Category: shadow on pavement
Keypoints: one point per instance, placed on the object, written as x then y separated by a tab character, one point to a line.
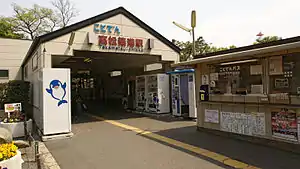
165	117
114	111
253	154
189	152
83	119
111	111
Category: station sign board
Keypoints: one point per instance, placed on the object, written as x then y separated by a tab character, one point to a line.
109	38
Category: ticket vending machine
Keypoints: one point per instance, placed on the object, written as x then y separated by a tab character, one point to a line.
157	93
140	93
183	93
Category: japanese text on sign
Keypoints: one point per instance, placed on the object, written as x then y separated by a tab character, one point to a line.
120	43
109	29
230	69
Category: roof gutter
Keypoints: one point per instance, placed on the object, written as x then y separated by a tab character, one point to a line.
239	54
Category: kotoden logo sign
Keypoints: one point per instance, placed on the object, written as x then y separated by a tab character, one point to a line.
106	29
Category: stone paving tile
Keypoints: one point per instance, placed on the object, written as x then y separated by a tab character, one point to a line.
28	155
46	159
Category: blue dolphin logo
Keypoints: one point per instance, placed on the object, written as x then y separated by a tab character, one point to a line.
58	91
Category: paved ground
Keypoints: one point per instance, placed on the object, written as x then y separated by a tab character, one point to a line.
102	145
28	156
98	144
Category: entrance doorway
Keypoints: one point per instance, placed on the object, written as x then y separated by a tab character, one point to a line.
94	81
131	94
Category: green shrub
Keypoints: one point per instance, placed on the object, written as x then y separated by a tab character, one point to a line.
16	91
3	87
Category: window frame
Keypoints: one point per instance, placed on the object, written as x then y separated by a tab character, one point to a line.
7	74
220	68
285	59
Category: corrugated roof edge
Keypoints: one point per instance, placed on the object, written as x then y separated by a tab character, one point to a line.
89	21
250	47
241	53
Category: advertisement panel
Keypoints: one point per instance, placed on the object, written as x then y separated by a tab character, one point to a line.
284	124
243	123
211	116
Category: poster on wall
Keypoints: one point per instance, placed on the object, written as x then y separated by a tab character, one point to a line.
281	83
205	80
275	67
243	123
258	124
214	76
255	69
211	116
284	124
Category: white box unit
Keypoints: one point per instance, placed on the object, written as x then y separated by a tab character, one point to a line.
183	93
56	89
157	93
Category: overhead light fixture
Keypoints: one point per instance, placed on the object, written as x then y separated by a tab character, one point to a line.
154	66
237	62
115	73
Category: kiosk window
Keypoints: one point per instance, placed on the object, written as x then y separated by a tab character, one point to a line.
284	74
240	77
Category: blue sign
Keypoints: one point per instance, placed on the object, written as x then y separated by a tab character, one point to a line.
57	90
103	28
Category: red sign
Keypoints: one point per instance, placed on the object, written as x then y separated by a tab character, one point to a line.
139	43
112	41
130	42
103	40
120	43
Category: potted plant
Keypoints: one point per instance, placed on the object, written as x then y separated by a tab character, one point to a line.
14	122
10	156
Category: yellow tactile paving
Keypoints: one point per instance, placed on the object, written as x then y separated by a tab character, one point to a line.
209	154
235	163
215	156
251	167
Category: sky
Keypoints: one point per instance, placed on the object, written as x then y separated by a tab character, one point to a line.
222	23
